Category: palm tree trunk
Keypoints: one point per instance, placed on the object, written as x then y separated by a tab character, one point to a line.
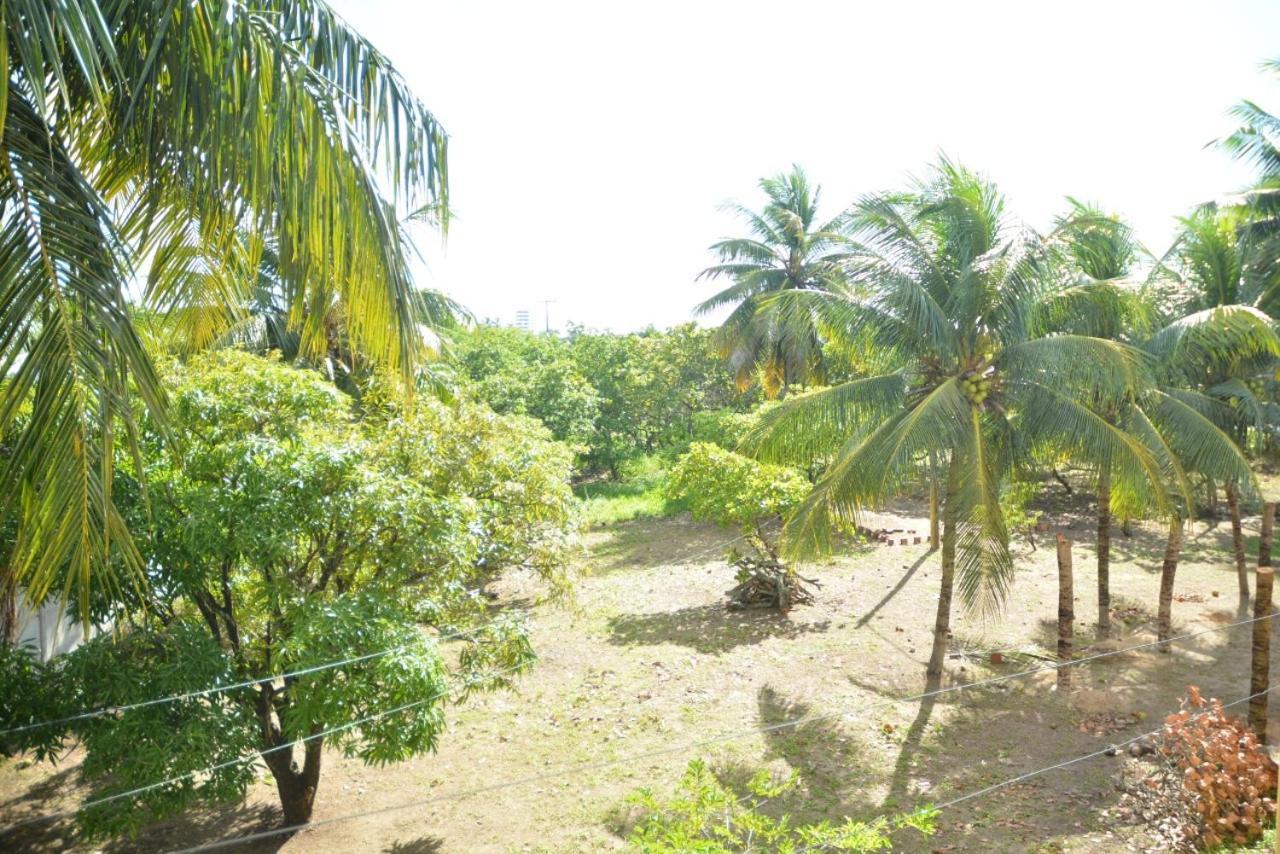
1265	535
1104	551
1237	541
942	624
1172	553
933	516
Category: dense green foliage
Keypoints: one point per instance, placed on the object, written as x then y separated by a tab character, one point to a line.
136	131
527	374
706	816
286	533
616	398
734	491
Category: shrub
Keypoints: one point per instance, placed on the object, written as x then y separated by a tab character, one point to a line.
705	816
738	492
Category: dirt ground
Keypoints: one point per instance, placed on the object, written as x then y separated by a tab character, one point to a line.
647	662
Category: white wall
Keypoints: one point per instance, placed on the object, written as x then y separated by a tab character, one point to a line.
49	629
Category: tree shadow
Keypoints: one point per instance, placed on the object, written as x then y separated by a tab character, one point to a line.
44	790
827	756
964	740
195	825
646	543
897	588
710	629
208	825
421	845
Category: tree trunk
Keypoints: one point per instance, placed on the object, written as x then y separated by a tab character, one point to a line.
1268	530
8	609
1172	553
1066	612
296	786
1260	655
942	625
1237	541
1104	551
933	516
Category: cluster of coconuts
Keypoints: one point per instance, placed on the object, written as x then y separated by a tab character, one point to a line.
1257	385
977	387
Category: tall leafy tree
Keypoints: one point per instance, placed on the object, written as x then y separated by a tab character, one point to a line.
789	248
1220	262
285	533
964	298
1184	417
129	127
1102	252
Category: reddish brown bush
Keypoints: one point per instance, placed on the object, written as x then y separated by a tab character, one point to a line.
1229	781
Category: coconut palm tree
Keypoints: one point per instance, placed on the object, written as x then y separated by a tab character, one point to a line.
789	248
964	298
1186	419
126	127
239	298
1102	250
1219	259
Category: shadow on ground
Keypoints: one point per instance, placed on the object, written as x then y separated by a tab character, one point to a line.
646	543
422	845
710	629
963	740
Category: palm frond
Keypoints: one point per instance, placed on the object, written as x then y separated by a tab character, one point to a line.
984	567
871	468
808	428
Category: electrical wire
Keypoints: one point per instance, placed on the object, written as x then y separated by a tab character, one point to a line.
239	760
1109	750
248	683
670	749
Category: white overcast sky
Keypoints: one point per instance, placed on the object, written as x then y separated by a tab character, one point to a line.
592	143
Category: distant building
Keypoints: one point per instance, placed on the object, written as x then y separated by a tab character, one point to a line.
522	319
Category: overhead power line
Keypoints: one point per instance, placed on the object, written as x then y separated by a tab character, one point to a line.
694	745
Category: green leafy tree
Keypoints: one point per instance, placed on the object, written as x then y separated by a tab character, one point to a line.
283	535
789	248
636	404
126	128
963	299
524	373
734	491
705	815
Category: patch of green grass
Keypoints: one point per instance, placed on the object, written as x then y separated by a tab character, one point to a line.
638	495
1266	843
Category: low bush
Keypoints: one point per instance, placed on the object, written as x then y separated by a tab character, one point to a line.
738	492
704	815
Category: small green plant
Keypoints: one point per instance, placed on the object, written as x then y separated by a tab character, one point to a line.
738	492
704	815
1015	505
